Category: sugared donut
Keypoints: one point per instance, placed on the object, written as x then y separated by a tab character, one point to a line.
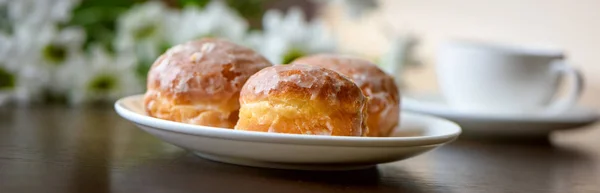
384	99
199	82
302	99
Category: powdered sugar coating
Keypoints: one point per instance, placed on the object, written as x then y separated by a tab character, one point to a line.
381	89
310	81
207	69
362	72
199	82
302	99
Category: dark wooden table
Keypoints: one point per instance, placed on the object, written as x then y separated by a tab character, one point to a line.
55	149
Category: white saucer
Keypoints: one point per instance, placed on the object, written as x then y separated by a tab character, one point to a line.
519	125
291	151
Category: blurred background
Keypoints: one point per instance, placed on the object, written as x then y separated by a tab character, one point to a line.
557	23
87	51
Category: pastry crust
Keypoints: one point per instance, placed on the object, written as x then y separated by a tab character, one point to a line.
302	99
384	97
199	82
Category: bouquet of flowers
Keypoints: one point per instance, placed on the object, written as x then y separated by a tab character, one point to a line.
80	52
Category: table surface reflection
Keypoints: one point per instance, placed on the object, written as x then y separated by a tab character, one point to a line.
58	149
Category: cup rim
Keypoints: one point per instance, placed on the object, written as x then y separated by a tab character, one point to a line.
507	48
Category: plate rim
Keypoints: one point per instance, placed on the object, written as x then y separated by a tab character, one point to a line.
295	139
416	105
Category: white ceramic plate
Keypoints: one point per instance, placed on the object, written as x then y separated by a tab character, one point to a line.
500	125
418	134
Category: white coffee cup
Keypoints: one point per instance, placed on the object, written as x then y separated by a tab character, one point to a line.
493	78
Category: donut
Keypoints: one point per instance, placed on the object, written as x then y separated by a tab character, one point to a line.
199	82
384	98
302	99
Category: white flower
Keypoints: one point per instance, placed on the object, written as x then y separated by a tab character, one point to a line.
5	46
40	12
216	20
58	55
19	80
29	85
141	33
7	75
288	37
104	78
37	54
143	29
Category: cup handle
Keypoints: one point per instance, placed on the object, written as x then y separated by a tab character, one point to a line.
575	88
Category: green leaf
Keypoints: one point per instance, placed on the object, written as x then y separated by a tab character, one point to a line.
98	18
198	3
251	10
292	55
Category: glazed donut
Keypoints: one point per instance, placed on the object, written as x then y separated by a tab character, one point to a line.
302	99
199	82
384	97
